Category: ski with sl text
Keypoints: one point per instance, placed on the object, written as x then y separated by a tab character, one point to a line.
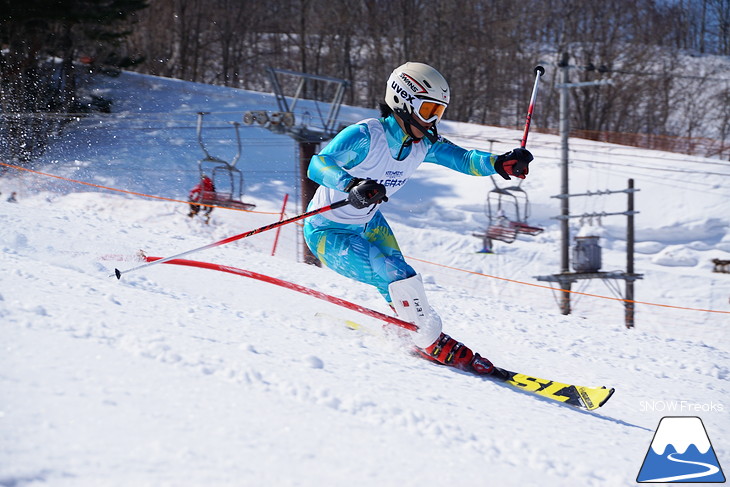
589	398
582	397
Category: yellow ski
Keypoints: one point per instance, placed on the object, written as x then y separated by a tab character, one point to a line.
579	396
589	398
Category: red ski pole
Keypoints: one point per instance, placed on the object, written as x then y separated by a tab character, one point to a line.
337	204
295	287
539	71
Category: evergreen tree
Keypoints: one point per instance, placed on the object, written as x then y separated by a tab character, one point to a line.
42	41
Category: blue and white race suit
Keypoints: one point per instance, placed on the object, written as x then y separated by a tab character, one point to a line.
358	243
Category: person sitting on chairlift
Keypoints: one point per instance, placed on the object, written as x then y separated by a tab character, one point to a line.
196	196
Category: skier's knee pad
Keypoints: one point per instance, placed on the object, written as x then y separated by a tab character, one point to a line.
409	301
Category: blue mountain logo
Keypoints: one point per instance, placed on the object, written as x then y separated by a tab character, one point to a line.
681	452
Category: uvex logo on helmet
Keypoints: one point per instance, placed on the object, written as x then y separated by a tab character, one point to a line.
402	92
413	84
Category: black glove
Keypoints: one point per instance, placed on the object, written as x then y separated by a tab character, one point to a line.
513	163
365	192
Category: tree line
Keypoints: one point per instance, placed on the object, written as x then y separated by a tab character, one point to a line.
654	51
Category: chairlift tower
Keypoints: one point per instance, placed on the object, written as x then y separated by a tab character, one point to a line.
308	129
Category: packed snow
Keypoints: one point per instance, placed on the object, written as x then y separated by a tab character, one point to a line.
188	377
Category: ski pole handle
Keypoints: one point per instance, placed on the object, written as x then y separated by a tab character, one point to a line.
337	204
539	71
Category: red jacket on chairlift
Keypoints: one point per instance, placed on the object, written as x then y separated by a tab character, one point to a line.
205	184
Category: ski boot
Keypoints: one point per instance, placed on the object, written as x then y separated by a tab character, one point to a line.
410	304
447	351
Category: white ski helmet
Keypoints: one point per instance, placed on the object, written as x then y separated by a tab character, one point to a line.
417	89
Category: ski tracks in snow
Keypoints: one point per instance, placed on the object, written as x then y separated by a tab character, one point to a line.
262	352
353	375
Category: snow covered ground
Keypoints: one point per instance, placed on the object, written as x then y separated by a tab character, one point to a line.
188	377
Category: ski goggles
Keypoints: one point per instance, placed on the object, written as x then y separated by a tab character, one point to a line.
427	110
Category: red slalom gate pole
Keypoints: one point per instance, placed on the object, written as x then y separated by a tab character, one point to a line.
289	285
278	230
539	71
337	204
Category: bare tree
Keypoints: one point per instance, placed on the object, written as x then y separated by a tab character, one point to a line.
485	48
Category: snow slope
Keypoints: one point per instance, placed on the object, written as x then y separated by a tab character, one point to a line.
180	376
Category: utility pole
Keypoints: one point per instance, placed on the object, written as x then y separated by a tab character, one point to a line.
565	86
566	278
629	303
564	184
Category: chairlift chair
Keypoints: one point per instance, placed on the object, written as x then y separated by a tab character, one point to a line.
521	202
501	203
222	173
507	211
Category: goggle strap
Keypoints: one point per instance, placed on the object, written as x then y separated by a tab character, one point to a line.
432	134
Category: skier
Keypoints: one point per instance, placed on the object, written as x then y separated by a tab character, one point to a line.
370	161
197	195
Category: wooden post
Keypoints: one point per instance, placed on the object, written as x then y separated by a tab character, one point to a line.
565	298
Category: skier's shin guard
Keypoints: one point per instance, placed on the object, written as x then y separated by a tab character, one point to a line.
409	301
